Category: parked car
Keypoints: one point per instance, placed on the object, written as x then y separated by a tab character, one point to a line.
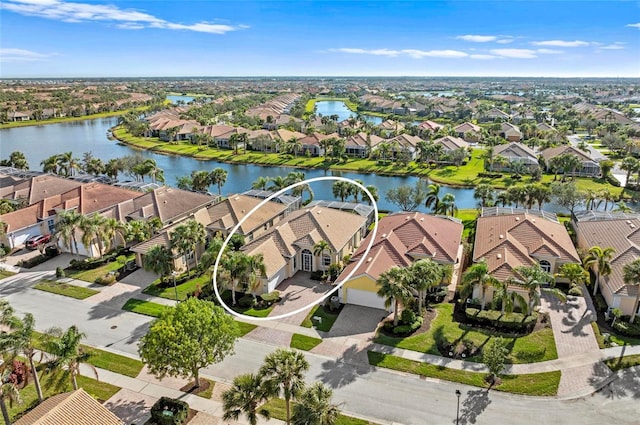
34	241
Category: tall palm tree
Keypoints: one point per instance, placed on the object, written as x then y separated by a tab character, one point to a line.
477	274
68	164
314	407
599	259
24	341
320	247
392	286
8	391
246	395
508	299
91	227
283	370
218	177
67	352
277	183
50	164
182	242
341	189
374	193
447	205
236	265
257	270
533	278
112	229
260	183
158	260
423	275
483	192
65	228
574	273
632	277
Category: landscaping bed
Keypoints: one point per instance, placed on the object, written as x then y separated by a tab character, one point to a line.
277	410
104	270
66	289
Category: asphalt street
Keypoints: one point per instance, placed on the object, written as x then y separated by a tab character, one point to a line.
378	394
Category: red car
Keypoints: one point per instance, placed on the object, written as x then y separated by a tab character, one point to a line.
34	241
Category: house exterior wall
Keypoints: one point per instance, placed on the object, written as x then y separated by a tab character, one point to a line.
362	283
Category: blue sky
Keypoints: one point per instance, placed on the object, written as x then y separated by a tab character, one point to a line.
63	38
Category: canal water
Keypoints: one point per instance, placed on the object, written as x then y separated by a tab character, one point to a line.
334	107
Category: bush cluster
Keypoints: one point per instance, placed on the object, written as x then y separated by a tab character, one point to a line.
494	318
409	322
626	328
107	279
178	408
490	175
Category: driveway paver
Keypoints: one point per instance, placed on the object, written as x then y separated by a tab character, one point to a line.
357	322
270	336
131	406
296	292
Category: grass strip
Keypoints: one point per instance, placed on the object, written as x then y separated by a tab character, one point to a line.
327	319
538	384
245	328
623	362
66	289
183	289
5	273
277	410
92	274
303	342
147	308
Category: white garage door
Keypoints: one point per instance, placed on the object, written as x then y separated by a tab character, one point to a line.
364	298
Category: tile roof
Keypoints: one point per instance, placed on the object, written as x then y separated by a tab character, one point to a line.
451	143
72	408
623	235
511	240
403	238
515	149
549	153
360	139
467	127
226	214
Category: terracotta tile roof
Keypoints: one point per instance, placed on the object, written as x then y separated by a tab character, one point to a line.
406	140
515	149
166	203
518	239
430	125
360	139
549	153
37	188
467	127
403	238
73	408
623	235
226	214
451	143
162	239
303	228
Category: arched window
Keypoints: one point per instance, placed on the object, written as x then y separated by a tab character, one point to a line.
545	266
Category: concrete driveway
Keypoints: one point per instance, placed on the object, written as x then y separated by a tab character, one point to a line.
357	322
297	292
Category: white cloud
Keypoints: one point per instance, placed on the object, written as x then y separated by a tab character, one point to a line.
414	53
483	57
549	51
514	53
615	46
22	55
504	41
561	43
477	38
126	18
634	25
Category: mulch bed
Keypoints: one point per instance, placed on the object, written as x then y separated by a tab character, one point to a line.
428	316
192	389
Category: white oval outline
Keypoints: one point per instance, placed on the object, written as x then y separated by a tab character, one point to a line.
254	209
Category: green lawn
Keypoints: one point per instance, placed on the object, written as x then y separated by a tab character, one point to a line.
538	384
93	274
535	347
245	328
207	394
66	289
144	307
98	390
183	289
5	273
623	363
468	217
253	312
277	409
328	319
303	342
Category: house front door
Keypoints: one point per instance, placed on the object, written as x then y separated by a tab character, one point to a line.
307	259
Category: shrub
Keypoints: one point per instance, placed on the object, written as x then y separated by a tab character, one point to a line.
247	301
612	180
408	316
626	328
575	291
490	175
178	408
601	304
511	321
107	279
271	297
409	328
59	272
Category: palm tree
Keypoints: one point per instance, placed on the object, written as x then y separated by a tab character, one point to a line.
158	260
246	395
257	270
182	242
320	247
91	227
68	164
392	286
218	177
630	165
373	190
260	183
599	259
314	407
236	265
8	391
483	192
50	165
477	274
111	229
508	298
283	370
447	205
24	341
65	228
67	352
277	183
632	278
422	275
341	189
432	198
574	273
533	279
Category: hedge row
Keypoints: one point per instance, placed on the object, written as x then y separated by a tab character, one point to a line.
499	320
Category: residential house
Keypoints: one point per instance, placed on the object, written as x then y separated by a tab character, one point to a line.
72	408
19	115
401	239
403	144
588	166
221	134
544	127
469	132
429	127
515	152
288	247
263	141
510	132
622	233
507	238
360	145
494	114
30	190
390	127
311	144
451	143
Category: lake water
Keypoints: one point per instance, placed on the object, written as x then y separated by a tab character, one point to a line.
333	107
174	99
43	141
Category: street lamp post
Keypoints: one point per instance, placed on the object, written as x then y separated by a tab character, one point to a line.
175	288
458	393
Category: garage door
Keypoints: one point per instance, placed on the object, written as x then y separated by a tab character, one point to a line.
364	298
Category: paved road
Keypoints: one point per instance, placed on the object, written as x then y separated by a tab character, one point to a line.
377	393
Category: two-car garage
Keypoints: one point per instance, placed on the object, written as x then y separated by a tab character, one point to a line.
361	297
